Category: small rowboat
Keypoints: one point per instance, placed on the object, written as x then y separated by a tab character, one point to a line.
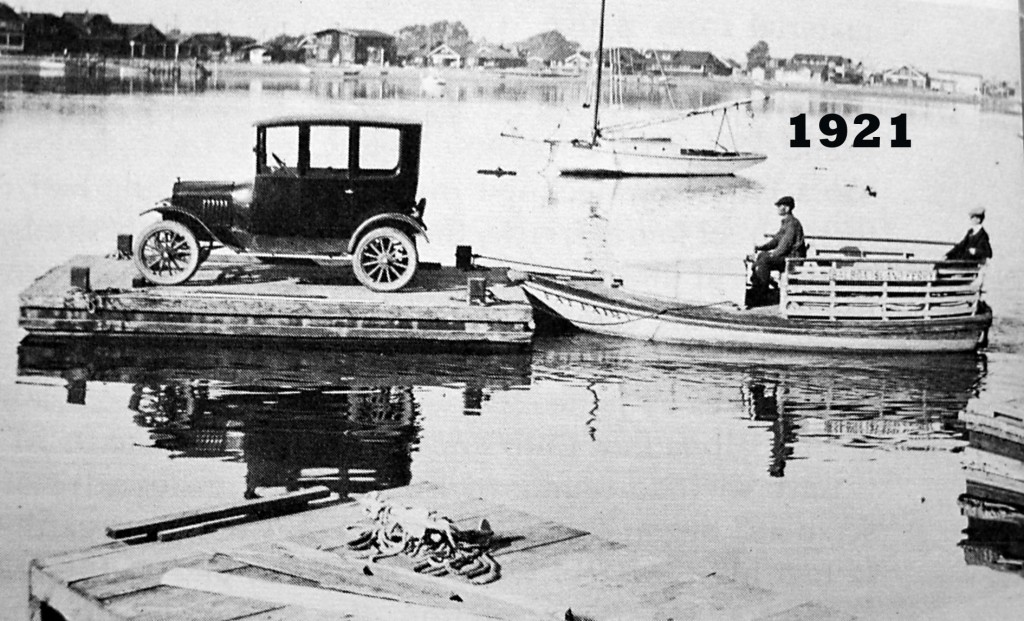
833	300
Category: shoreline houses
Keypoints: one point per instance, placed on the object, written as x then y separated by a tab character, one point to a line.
448	44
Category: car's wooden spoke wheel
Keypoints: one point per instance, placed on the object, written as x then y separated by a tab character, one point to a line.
385	259
167	253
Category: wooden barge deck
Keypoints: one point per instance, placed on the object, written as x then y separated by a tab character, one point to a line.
298	567
234	297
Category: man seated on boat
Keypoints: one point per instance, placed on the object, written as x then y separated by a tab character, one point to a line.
975	245
772	255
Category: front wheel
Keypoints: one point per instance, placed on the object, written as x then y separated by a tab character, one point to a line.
167	253
385	259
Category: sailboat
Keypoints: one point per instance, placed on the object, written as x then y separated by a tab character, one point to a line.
604	154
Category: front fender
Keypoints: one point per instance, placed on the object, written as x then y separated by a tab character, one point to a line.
170	212
383	219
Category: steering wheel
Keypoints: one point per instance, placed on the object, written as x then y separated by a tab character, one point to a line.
281	166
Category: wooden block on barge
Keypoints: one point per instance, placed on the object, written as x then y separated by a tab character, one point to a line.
264	506
256	301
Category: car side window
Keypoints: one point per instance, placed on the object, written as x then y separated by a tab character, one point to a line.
378	150
282	149
328	149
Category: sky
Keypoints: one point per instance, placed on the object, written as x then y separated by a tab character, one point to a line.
964	35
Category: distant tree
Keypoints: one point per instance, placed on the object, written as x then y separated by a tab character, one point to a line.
420	35
758	56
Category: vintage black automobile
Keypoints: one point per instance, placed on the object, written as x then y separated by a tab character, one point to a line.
339	187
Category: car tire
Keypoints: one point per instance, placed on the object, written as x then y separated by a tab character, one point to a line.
167	253
385	259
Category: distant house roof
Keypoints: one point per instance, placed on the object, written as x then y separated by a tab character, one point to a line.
555	51
375	34
906	70
286	42
8	14
962	74
693	58
136	31
819	59
451	50
218	41
87	21
493	52
356	32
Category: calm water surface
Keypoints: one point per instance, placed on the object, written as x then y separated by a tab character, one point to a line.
829	478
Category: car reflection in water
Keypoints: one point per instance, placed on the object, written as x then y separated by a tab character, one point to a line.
297	416
994	498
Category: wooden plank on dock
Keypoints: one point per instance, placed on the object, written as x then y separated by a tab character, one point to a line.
168	603
263	506
277	570
147	576
247	590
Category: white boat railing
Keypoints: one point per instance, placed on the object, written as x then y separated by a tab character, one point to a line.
879	285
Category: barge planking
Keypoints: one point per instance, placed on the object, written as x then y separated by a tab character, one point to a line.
268	569
99	296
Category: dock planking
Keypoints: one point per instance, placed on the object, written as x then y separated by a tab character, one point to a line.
267	569
233	298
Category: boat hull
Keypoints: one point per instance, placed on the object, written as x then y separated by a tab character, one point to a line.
613	313
639	158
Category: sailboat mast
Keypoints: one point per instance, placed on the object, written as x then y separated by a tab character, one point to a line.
600	64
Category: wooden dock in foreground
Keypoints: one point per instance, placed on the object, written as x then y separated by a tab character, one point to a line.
237	297
298	567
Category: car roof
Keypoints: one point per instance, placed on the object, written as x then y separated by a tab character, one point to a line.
360	118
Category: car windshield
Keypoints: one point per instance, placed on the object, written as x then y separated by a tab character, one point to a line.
282	142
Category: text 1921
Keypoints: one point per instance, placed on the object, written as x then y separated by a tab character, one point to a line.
835	130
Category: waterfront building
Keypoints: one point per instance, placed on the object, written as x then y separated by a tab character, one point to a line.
12	30
47	34
491	56
685	62
354	47
95	33
958	82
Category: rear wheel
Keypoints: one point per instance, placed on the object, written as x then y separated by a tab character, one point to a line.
385	259
167	253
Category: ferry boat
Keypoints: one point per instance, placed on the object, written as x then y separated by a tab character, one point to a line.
836	299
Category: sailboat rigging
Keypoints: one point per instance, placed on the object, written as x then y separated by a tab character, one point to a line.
616	156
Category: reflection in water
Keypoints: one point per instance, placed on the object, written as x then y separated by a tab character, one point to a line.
864	402
994	498
766	405
351	438
296	415
397	84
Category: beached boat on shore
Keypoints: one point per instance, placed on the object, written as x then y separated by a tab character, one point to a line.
844	299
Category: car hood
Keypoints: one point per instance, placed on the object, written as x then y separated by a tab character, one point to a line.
239	191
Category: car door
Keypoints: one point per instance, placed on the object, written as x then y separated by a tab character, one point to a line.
376	184
277	189
327	192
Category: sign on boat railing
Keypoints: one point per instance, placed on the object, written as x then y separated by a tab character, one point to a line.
832	286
